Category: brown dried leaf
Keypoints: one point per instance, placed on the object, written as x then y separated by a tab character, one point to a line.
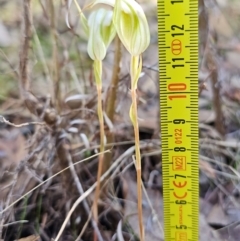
206	116
217	216
207	169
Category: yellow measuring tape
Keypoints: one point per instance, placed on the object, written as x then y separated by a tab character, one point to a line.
178	67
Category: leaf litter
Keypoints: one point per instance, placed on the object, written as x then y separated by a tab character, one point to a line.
31	153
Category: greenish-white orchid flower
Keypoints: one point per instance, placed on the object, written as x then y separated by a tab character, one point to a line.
131	24
101	33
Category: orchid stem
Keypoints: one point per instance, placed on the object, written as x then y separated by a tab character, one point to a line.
135	71
98	79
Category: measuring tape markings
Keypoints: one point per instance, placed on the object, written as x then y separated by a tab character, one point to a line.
178	65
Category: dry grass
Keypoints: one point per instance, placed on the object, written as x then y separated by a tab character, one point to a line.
49	130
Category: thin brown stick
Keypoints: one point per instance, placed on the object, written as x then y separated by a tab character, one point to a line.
56	75
111	98
23	55
2	119
203	30
217	103
112	94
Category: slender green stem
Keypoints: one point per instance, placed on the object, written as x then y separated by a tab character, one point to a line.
98	79
135	71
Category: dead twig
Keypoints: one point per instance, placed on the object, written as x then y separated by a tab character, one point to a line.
23	56
212	65
55	54
2	119
111	98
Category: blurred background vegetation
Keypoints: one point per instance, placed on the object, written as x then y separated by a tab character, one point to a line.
53	123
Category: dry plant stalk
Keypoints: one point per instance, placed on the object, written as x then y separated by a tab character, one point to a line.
217	103
207	48
23	55
112	97
55	61
203	29
216	88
